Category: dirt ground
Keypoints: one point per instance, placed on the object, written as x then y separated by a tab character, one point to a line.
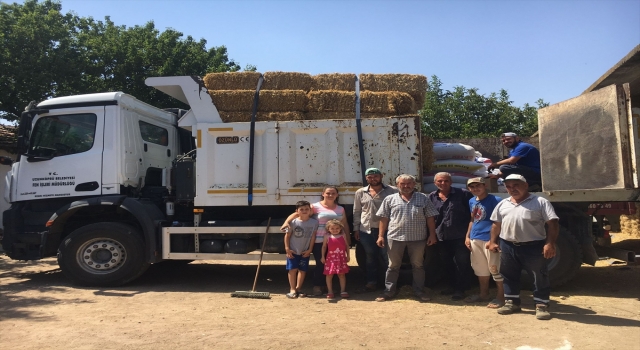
191	308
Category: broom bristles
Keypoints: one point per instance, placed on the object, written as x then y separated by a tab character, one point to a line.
254	295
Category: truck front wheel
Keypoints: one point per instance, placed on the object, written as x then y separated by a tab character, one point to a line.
102	254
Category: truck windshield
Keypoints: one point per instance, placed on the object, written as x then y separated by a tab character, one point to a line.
61	135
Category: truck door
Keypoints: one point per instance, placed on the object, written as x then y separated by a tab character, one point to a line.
64	158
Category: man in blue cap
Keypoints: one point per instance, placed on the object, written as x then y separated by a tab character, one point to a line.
524	159
365	225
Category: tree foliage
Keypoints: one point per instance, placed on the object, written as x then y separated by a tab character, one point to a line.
464	113
45	53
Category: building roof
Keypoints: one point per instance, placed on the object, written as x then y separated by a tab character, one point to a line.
625	71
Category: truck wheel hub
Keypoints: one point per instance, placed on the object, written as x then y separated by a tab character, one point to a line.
101	255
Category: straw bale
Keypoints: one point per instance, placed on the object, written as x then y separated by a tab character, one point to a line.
413	84
270	100
235	117
344	115
630	224
231	81
334	81
426	143
332	101
391	102
287	81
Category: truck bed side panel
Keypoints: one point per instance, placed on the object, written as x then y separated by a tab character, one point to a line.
585	142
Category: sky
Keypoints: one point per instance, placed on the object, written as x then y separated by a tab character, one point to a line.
552	50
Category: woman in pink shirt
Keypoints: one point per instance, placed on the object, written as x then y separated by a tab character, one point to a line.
324	210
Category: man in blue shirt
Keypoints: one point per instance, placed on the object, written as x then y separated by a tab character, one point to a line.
484	262
524	159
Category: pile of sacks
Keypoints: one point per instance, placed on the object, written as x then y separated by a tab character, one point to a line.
462	161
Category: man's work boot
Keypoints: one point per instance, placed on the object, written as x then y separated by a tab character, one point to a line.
542	312
509	308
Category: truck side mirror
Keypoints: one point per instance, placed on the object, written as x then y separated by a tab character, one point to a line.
24	130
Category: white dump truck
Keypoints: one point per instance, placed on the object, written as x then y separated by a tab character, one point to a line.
112	185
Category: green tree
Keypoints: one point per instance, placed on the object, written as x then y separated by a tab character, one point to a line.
45	53
465	113
36	53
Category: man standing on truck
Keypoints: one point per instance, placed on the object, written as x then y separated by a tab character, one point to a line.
452	223
519	223
365	224
524	159
409	218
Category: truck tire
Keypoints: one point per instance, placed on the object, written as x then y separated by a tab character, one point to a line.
563	267
103	254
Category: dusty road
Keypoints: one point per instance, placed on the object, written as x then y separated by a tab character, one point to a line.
190	308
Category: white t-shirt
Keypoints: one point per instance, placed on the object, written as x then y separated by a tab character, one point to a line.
523	222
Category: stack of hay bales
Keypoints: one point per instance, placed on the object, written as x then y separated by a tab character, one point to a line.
300	96
630	224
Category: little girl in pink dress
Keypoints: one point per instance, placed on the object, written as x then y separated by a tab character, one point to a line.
335	256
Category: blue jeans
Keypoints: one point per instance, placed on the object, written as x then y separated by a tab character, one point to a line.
374	254
529	257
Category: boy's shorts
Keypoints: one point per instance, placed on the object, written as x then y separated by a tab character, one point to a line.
482	259
298	262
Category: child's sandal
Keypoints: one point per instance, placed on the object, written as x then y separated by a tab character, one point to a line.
330	296
344	295
292	295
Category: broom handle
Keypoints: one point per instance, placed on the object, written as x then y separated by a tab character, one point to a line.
264	241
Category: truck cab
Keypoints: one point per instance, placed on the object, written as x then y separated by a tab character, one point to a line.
78	147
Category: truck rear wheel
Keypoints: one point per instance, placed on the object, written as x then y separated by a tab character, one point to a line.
102	254
568	259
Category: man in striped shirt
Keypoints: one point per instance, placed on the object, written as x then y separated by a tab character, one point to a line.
408	219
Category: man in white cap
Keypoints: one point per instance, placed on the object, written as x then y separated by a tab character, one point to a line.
366	203
524	159
519	223
484	262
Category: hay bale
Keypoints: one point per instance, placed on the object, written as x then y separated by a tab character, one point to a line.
332	101
630	224
239	117
334	81
413	84
270	100
389	102
287	81
231	81
426	144
344	115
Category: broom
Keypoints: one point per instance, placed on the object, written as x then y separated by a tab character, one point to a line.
253	294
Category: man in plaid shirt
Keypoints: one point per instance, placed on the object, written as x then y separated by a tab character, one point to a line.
408	218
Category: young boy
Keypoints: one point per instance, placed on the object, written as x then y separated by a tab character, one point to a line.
298	244
484	262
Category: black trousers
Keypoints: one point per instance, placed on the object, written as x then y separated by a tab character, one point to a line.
456	259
